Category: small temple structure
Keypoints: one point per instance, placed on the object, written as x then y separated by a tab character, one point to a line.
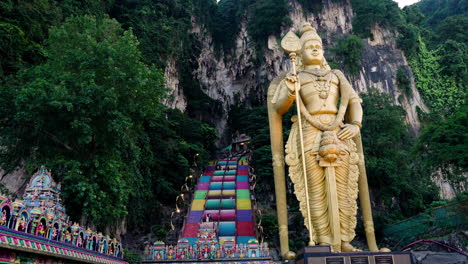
39	222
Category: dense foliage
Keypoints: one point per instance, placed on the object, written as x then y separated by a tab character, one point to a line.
349	50
267	17
434	40
89	108
24	26
437	11
442	93
369	13
403	82
441	147
82	111
389	162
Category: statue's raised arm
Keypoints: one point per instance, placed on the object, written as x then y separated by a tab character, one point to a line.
323	151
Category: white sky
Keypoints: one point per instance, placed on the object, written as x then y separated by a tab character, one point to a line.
402	3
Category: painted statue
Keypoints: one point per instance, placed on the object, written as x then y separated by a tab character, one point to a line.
3	220
323	151
54	233
68	237
22	224
40	230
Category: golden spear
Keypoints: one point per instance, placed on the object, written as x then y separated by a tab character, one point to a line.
292	45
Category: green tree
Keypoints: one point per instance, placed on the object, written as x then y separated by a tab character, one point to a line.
453	58
15	49
441	148
161	26
81	113
403	82
349	52
24	27
266	18
440	92
408	39
438	10
413	15
387	145
369	13
453	28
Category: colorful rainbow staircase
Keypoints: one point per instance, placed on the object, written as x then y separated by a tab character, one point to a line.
220	224
222	196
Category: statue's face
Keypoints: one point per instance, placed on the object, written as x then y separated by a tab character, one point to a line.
312	53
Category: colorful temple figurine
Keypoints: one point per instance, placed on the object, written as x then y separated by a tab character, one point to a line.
266	250
40	230
22	225
170	253
158	256
147	253
79	242
68	237
3	219
183	249
191	252
111	251
90	236
206	251
54	234
159	250
241	251
253	248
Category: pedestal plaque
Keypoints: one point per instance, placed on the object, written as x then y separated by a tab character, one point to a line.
359	259
334	260
323	255
383	259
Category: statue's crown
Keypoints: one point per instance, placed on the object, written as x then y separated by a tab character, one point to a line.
309	33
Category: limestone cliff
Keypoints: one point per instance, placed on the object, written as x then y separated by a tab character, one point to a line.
176	98
233	78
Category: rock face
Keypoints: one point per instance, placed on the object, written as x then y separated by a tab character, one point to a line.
176	97
380	62
13	183
233	78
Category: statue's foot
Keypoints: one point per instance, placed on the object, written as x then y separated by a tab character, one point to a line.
289	255
347	247
384	250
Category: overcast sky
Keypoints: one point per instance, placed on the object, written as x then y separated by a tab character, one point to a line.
402	3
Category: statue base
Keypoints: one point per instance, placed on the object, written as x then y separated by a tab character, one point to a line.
323	255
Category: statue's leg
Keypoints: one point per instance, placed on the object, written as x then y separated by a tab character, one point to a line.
347	186
318	199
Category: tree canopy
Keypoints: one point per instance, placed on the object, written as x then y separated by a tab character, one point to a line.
89	112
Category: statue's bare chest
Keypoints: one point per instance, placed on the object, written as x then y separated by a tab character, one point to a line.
319	92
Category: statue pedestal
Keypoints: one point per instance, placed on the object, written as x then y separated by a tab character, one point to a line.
323	255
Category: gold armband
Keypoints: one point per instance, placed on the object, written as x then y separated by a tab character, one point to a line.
357	123
356	99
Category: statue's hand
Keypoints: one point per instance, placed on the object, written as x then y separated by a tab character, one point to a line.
290	82
348	131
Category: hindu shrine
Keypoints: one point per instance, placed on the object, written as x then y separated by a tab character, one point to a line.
38	223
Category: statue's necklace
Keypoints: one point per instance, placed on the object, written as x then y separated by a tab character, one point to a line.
323	86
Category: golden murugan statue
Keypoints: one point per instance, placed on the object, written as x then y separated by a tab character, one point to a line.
324	149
